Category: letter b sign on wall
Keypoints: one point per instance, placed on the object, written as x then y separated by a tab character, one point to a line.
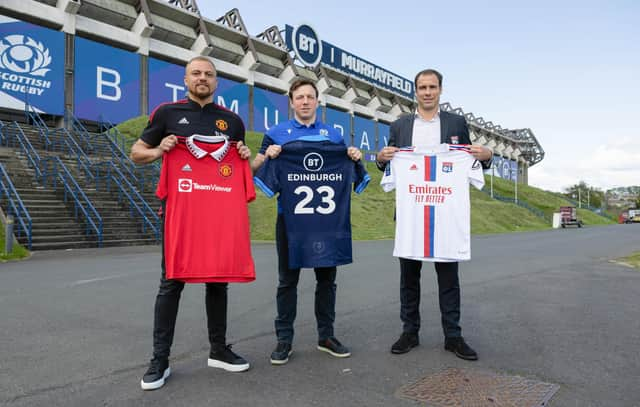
107	82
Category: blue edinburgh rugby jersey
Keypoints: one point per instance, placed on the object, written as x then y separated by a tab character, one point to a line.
313	179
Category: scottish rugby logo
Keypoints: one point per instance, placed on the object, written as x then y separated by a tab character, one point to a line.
24	55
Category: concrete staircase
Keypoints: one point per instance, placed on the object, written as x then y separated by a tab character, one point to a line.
54	225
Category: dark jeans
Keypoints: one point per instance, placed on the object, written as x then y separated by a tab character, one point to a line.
448	295
166	312
287	294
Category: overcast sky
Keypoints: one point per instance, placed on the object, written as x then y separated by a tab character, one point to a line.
568	70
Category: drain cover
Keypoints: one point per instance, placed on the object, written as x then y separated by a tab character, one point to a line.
478	388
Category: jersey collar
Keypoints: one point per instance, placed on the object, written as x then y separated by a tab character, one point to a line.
194	104
299	125
197	152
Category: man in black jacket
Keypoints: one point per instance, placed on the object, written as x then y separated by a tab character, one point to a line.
429	127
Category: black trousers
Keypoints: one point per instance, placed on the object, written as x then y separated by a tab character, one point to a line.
448	295
166	312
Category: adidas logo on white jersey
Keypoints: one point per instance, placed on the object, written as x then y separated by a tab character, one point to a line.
183	121
186	167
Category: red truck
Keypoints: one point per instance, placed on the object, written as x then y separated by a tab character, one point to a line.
568	217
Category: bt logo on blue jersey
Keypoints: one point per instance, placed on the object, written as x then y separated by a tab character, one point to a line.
313	162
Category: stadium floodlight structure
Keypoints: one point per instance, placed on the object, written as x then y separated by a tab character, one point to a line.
260	56
291	71
520	145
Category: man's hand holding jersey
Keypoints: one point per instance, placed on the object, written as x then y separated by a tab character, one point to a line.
168	143
273	151
243	151
386	154
143	153
481	153
354	153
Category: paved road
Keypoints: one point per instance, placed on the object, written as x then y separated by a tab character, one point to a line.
76	327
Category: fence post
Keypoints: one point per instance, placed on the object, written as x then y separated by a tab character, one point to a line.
8	235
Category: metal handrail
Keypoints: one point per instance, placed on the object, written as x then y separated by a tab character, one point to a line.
61	138
77	128
73	149
111	131
140	175
3	140
43	129
15	207
27	149
55	169
137	204
520	203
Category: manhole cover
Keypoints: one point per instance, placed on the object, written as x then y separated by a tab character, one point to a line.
477	388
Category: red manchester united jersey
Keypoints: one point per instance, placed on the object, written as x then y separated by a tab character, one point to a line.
206	187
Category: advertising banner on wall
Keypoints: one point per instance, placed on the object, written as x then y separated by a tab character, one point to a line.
235	97
166	84
504	168
31	67
340	121
514	170
383	136
107	82
364	133
269	109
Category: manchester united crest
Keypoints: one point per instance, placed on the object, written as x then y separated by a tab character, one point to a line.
222	124
225	169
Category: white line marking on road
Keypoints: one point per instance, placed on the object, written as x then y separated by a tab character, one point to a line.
94	280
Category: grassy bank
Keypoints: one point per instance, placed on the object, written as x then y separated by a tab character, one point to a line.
18	251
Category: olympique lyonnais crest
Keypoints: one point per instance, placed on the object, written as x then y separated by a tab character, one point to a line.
225	170
455	140
447	166
222	125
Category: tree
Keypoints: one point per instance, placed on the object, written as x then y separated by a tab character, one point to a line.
585	194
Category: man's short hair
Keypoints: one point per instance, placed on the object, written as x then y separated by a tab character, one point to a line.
201	58
301	82
428	72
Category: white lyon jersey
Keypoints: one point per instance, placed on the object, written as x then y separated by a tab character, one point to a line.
433	213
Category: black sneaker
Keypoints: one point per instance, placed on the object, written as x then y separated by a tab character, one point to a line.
460	348
281	354
405	343
333	347
221	356
156	374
